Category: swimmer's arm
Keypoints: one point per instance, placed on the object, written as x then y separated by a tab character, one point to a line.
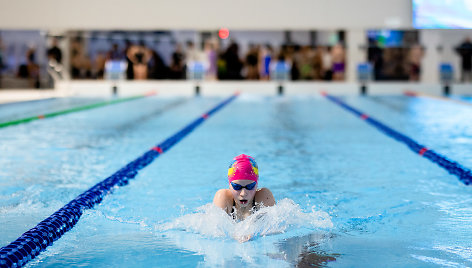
265	197
221	200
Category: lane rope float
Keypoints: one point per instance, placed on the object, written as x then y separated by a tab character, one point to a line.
37	239
464	174
72	110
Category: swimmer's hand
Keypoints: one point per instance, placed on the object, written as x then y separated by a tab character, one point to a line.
243	238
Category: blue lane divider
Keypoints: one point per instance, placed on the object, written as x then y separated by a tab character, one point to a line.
464	174
31	243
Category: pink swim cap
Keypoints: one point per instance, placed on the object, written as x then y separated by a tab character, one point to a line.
243	167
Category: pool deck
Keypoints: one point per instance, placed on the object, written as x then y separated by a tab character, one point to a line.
96	88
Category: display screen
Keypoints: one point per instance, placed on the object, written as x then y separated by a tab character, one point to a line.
442	14
386	38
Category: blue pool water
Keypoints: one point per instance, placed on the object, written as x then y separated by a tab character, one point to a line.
348	195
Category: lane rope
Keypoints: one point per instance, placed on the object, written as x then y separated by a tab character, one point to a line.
72	110
425	95
37	239
464	174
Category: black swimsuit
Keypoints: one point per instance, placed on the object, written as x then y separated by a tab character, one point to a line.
254	207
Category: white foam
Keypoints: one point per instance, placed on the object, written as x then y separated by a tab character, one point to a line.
211	221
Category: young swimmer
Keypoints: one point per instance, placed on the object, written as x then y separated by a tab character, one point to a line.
243	198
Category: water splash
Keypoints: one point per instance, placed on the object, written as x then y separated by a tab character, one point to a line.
211	221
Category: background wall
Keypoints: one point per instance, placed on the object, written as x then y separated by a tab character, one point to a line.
204	14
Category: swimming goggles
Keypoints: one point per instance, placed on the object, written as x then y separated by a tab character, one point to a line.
238	187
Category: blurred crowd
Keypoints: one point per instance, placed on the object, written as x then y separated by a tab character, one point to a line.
211	60
395	63
258	62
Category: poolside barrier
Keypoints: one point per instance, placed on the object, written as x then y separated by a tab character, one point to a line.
37	239
464	174
75	109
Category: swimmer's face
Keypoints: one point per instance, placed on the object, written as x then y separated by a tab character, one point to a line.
244	196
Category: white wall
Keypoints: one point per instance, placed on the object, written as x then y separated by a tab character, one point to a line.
204	14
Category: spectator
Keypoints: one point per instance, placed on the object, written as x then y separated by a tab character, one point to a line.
212	58
293	56
30	69
114	53
465	52
139	56
192	54
81	66
414	62
54	52
129	63
99	65
338	56
195	62
318	63
233	63
252	62
375	57
266	57
280	68
221	64
305	62
177	65
397	60
157	67
327	64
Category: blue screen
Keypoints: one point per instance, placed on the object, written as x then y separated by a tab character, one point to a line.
386	38
442	14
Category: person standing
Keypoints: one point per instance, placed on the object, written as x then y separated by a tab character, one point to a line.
465	52
139	55
234	64
252	62
54	52
212	58
266	57
177	65
414	62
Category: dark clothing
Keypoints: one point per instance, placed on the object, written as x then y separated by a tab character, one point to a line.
115	55
55	53
233	66
129	69
375	57
177	67
254	207
157	67
252	59
294	71
465	51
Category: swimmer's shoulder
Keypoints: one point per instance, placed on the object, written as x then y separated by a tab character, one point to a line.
223	199
264	196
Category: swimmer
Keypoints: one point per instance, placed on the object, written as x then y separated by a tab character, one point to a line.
243	198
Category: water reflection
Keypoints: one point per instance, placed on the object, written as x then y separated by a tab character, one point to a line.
306	251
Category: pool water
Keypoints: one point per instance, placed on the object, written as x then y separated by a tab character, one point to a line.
347	194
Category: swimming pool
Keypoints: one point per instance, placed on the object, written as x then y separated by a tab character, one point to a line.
386	205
